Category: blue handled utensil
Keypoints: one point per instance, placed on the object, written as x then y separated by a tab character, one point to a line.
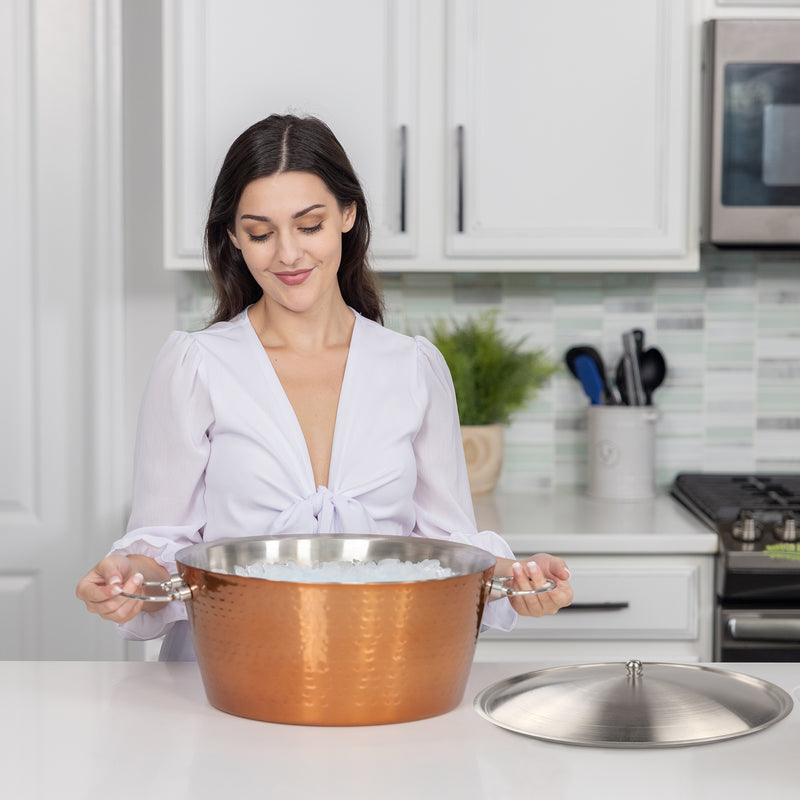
590	379
609	395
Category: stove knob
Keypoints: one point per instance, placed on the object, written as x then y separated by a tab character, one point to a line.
745	528
786	531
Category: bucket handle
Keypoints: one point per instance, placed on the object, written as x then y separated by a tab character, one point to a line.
497	588
174	588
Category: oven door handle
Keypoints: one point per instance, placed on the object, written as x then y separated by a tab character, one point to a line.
780	630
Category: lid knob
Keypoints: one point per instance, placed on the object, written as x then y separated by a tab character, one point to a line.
634	667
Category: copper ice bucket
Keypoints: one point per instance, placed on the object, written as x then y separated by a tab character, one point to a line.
333	653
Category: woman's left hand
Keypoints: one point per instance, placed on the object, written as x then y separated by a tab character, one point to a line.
533	573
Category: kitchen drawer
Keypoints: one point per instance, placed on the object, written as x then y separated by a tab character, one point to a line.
621	598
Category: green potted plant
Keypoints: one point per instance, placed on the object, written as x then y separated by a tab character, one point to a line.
493	378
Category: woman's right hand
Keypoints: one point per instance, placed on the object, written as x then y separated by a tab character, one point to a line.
101	588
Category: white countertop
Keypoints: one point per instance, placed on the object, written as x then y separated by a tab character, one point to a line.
140	730
569	523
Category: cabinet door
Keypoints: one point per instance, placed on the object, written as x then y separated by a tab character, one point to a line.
569	129
229	63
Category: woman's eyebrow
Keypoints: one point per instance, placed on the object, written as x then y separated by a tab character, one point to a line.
294	216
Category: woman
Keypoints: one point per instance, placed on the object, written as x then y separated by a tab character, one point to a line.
295	411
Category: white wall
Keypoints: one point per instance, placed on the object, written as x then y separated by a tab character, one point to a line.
150	290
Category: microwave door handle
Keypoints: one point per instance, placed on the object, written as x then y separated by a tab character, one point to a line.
759	628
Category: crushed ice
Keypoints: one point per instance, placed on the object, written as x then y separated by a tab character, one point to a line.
387	570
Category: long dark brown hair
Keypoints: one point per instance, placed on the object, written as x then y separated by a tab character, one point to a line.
286	144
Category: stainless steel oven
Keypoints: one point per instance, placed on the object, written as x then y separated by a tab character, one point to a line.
752	131
757	616
747	633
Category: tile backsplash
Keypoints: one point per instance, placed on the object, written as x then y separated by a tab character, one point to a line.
730	334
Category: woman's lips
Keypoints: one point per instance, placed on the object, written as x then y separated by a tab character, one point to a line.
293	278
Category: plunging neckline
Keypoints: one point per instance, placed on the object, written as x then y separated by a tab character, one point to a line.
284	398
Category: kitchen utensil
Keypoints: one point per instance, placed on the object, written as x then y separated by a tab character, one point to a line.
653	370
590	379
333	653
638	337
634	704
631	350
624	379
609	397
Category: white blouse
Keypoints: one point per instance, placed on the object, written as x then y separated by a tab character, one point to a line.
220	453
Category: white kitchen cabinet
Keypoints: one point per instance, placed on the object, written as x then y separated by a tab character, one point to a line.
650	607
229	63
571	125
751	9
490	135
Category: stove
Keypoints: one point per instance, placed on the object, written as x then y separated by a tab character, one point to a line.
751	513
758	568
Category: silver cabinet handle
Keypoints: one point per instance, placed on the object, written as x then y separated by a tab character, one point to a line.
761	628
613	606
460	154
403	165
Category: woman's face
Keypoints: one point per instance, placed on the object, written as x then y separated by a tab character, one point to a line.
289	228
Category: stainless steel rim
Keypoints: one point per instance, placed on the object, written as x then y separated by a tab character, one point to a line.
223	555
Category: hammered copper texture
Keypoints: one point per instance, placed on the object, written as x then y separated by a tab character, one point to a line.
334	654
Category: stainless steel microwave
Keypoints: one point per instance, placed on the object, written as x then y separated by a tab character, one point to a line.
752	132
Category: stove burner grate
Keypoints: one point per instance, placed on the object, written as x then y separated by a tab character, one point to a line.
725	497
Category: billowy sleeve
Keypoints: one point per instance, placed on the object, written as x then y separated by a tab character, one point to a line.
442	496
171	453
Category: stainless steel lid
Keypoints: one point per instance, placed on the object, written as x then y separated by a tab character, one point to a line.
633	704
